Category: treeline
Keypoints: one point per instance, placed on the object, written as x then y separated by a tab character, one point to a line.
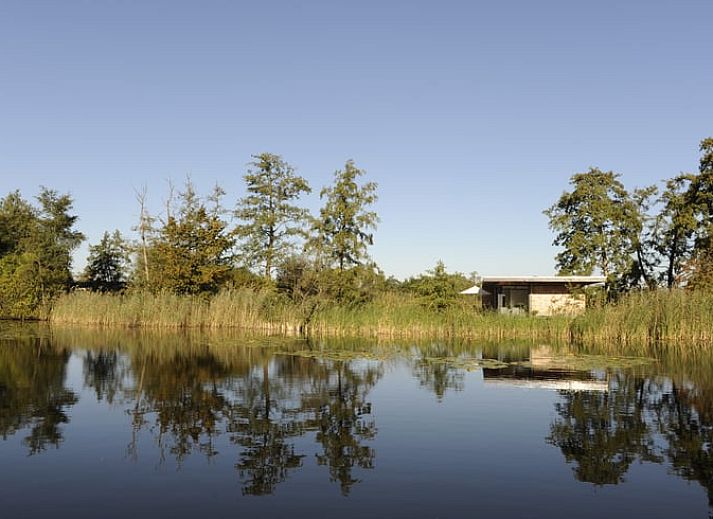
643	238
309	267
192	247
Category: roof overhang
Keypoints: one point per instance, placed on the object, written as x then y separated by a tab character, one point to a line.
472	290
571	280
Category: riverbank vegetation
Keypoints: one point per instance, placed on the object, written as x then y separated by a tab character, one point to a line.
674	319
394	315
268	265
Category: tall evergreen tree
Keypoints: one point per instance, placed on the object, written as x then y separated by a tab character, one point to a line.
271	220
343	229
107	263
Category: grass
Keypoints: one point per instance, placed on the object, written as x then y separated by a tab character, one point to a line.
668	319
400	316
248	309
389	315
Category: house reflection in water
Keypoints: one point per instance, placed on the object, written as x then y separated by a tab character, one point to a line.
543	370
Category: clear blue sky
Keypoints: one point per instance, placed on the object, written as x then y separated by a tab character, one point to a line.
471	116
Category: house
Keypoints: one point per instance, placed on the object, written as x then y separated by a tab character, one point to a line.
538	295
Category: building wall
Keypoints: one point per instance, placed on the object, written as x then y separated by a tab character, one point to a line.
555	303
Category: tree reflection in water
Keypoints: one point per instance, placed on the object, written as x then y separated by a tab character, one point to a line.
180	401
185	396
32	392
438	377
263	427
342	417
105	372
261	401
604	432
685	418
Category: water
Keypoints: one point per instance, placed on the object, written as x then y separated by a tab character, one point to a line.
128	424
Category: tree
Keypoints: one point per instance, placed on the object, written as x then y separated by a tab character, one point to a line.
700	196
598	224
271	219
673	228
699	200
343	227
144	228
437	289
192	250
19	296
107	263
35	251
18	220
55	242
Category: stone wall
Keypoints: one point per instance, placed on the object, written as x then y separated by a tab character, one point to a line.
555	303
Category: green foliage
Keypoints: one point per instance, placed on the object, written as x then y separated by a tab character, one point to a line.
700	196
271	219
20	294
243	277
36	245
668	318
598	224
344	224
603	227
107	264
312	289
674	226
191	252
699	200
18	220
439	290
352	287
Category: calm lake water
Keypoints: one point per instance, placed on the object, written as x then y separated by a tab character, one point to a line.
132	424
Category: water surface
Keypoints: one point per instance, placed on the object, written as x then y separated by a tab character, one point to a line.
127	423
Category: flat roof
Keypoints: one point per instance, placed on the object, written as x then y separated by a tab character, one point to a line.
543	279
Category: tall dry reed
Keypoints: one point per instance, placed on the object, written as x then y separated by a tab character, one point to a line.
676	318
389	315
663	317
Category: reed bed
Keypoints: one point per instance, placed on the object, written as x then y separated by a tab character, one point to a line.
388	316
401	316
668	319
244	308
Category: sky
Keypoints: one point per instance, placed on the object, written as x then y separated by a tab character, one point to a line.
471	116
